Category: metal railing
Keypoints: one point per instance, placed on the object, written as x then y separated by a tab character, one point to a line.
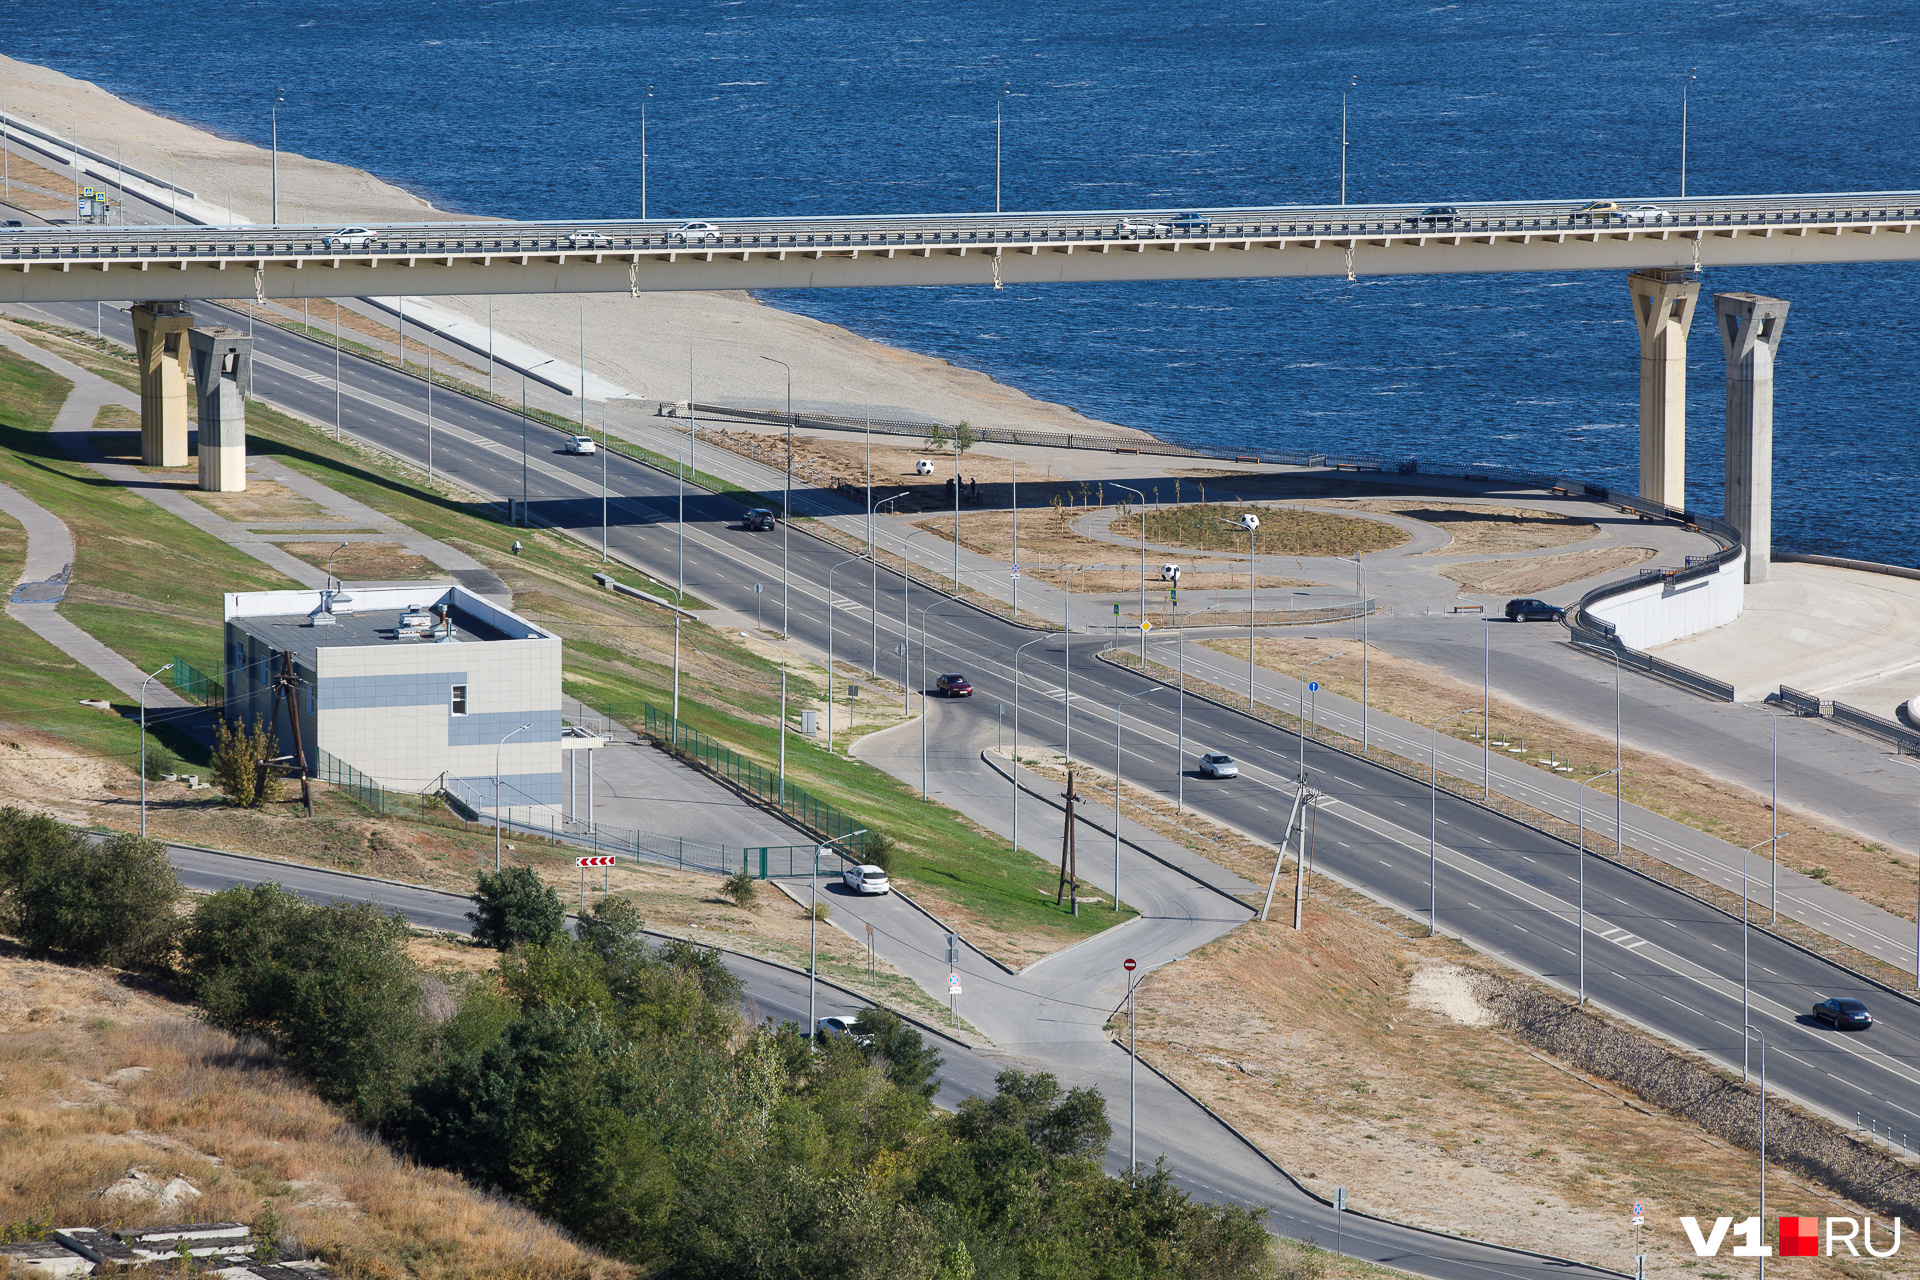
194	683
370	795
1903	740
825	820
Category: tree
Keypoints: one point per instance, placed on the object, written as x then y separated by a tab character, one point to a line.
910	1062
237	753
25	838
964	436
877	849
331	988
615	931
111	905
512	907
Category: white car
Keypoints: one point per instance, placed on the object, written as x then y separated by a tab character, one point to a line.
866	879
351	237
580	444
1645	213
588	239
1136	227
695	233
835	1025
1218	764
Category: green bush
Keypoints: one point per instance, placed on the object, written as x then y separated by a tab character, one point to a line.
112	904
512	907
332	988
877	848
238	750
741	890
821	911
911	1064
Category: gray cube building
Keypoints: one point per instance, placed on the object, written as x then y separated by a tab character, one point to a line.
415	686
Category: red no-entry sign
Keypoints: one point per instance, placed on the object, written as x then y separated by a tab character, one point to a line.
1130	966
605	860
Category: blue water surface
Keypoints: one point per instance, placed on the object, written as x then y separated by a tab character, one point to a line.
526	109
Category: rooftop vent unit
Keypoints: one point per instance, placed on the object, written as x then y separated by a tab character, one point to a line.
415	624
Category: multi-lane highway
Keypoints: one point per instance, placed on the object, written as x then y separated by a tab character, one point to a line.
1652	955
147	262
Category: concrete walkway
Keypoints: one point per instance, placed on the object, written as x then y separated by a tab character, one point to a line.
73	434
49	544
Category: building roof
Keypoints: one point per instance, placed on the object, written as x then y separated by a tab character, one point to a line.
284	619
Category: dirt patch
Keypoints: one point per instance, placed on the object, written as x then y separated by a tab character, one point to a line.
1531	576
1283	531
115	417
1479	527
1359	1057
1420	694
366	561
264	500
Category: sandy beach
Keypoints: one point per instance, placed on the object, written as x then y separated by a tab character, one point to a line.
639	343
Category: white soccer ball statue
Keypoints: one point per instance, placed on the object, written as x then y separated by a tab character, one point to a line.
1249	521
1169	573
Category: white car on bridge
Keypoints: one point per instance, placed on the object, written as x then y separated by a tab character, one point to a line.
1142	227
1645	213
351	238
588	239
695	233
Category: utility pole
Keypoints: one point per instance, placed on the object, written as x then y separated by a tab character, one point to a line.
1069	860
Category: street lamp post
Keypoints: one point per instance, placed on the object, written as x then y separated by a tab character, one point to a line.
143	750
1581	858
1143	568
496	794
1685	85
873	552
1773	806
1433	822
1066	667
786	498
1303	713
1745	937
1119	717
867	428
1360	570
1748	1031
1004	90
1351	81
1486	713
643	152
836	568
1016	735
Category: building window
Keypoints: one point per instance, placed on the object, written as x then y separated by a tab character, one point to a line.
459	699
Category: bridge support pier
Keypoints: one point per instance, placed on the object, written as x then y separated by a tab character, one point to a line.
220	357
1750	326
159	330
1663	303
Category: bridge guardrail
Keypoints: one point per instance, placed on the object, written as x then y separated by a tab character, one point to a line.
1903	740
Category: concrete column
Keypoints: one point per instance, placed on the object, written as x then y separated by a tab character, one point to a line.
1663	302
1750	326
220	357
158	334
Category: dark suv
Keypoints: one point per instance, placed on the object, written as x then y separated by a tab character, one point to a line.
759	520
1532	611
954	686
1437	213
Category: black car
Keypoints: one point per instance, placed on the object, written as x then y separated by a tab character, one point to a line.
954	686
1437	213
1527	610
1843	1014
759	520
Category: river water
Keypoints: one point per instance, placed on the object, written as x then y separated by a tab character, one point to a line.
527	109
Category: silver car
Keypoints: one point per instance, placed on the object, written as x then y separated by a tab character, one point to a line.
1645	213
580	444
351	238
588	240
1218	764
695	233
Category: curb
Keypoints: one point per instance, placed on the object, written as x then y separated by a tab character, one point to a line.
1123	840
1315	1196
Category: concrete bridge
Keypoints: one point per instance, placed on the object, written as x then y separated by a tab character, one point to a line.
1664	245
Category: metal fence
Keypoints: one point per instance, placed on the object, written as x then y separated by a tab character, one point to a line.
827	821
194	683
368	794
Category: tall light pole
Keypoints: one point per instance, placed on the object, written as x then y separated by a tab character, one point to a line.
1685	85
873	553
1745	934
1251	523
1360	572
143	750
786	499
1004	90
843	564
1143	569
1351	82
1581	861
1119	717
1773	890
279	99
1016	734
643	152
1013	467
1433	822
75	117
496	793
680	573
1066	667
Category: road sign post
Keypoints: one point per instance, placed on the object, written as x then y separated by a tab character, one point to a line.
603	860
1133	1093
1339	1208
953	978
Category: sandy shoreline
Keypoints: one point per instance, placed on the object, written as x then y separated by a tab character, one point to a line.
639	343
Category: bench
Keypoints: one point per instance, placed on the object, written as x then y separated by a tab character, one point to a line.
1468	608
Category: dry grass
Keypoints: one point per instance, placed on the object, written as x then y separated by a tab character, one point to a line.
1543	573
1479	527
1283	531
1420	694
109	1078
264	500
366	561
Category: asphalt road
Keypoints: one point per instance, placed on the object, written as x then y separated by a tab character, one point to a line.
1653	956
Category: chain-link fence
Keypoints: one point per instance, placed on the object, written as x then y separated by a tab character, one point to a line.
368	794
824	820
194	683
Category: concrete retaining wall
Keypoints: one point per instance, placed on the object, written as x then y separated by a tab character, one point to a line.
1661	611
1813	1147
